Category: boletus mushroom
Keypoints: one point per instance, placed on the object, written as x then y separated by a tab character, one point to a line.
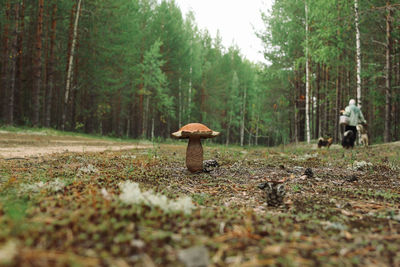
194	151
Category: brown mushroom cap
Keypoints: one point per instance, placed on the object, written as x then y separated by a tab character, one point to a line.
193	130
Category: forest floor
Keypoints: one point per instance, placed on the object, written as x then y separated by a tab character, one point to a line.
81	207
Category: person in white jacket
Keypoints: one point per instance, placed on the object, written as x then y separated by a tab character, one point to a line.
355	117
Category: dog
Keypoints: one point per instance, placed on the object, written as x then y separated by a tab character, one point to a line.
363	134
325	142
347	141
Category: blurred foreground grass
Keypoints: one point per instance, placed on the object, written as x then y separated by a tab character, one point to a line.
67	210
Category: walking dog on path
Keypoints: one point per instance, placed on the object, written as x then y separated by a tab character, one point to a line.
363	134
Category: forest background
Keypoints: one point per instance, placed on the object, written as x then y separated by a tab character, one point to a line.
140	69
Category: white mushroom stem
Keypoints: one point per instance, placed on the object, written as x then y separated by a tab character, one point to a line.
194	155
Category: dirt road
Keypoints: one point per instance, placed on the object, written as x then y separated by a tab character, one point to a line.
25	145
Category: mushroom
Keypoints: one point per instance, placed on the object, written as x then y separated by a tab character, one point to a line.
194	151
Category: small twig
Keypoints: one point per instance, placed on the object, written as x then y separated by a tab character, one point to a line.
15	158
312	187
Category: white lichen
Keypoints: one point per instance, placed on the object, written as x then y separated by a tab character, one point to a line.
361	165
56	185
334	225
131	194
87	169
53	186
105	194
33	188
128	157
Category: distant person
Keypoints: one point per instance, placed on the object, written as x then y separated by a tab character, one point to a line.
355	117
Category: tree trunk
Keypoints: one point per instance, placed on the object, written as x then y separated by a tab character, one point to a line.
45	49
243	117
388	75
190	94
203	98
4	65
38	66
317	112
296	108
128	125
19	98
70	39
256	137
327	106
152	124
71	116
348	93
145	117
307	80
358	53
228	129
13	57
140	110
312	116
51	68
397	83
249	140
70	63
118	129
337	106
180	108
323	103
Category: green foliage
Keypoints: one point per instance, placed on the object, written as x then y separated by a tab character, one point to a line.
154	80
142	69
332	58
139	69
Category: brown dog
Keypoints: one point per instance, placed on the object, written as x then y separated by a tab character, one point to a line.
325	142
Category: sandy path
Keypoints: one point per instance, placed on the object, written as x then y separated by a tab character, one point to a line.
22	152
29	145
